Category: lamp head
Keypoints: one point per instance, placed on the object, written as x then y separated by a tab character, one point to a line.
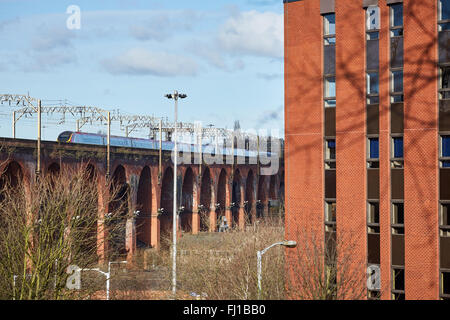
289	243
168	96
182	96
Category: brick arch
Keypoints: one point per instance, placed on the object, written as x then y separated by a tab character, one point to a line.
221	197
12	174
91	171
54	169
166	203
144	206
249	196
261	196
91	176
205	198
187	200
119	200
273	194
236	196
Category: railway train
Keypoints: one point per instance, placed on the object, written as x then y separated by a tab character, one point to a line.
117	141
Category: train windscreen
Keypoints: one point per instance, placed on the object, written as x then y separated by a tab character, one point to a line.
64	136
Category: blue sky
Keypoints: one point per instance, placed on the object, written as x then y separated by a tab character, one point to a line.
227	56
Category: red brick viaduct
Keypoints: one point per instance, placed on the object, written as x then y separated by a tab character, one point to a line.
212	189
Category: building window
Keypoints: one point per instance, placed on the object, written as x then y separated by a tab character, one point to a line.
444	83
372	88
397	98
330	216
330	91
397	81
398	283
373	295
398	218
444	219
331	149
373	35
373	217
329	35
372	22
329	24
373	153
445	151
397	17
444	15
397	152
330	154
445	284
396	63
329	31
373	149
397	147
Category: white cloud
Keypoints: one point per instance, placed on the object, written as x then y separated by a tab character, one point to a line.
140	61
47	61
51	38
161	25
210	54
253	33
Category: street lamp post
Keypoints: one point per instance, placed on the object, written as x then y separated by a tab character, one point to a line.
175	96
259	254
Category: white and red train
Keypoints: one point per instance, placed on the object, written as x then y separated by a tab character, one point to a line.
117	141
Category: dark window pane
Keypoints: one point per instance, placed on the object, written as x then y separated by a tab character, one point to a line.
374	213
445	9
446	146
372	57
373	35
373	144
445	215
444	26
397	81
397	33
397	15
445	78
330	103
373	100
397	52
397	98
399	279
446	282
444	46
329	59
398	213
398	147
372	83
331	212
331	146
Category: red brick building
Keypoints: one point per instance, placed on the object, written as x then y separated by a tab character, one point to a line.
367	109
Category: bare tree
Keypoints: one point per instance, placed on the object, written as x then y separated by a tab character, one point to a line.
46	229
329	269
222	266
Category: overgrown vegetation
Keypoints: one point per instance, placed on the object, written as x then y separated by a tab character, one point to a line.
48	228
55	224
